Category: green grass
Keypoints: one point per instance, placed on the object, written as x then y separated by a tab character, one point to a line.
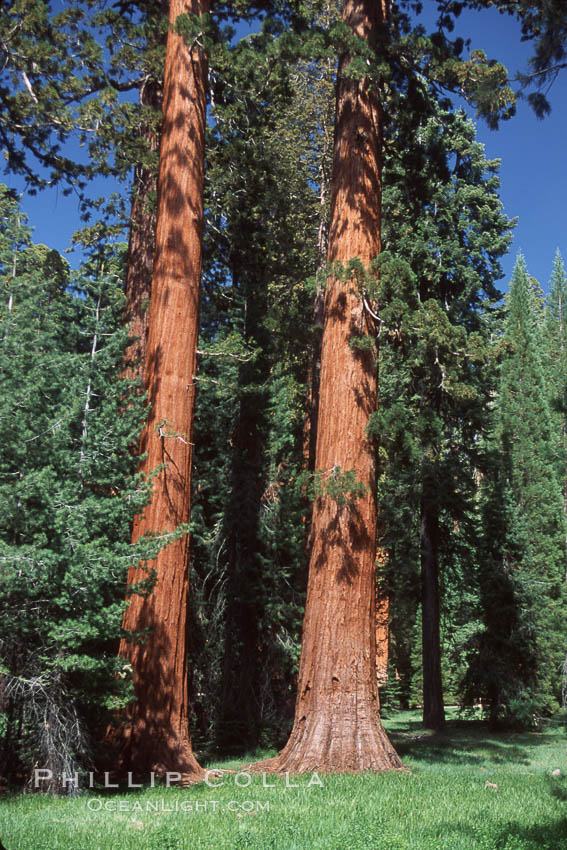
443	804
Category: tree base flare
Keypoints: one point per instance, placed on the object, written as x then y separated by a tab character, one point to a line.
154	759
320	747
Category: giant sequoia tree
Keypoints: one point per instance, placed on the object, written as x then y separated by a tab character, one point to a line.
337	724
158	737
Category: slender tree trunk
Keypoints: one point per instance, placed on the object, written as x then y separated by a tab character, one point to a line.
141	245
240	715
11	295
88	391
433	707
240	711
337	725
313	381
158	736
382	629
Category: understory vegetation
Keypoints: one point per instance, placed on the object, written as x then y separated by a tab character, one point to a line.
467	789
441	421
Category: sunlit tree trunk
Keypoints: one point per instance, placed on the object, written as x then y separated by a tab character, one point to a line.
382	629
158	735
337	725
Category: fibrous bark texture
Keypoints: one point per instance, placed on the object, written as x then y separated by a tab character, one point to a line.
337	725
157	737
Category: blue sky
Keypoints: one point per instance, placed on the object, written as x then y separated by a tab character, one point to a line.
533	172
533	152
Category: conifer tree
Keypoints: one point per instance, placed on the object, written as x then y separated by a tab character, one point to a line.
359	126
69	488
336	724
521	651
255	331
555	363
142	225
544	24
157	737
444	220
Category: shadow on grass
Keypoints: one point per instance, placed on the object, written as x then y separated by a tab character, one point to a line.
235	761
465	743
558	788
548	836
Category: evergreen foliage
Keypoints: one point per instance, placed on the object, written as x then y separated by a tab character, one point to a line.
544	23
436	300
520	652
248	534
473	463
69	490
554	357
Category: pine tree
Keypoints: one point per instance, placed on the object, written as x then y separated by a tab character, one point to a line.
555	365
255	332
69	489
444	221
521	651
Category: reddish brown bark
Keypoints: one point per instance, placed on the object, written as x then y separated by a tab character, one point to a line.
157	737
337	725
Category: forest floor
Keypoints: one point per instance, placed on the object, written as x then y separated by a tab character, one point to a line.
468	789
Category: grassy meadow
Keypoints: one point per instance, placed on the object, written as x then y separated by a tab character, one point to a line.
468	789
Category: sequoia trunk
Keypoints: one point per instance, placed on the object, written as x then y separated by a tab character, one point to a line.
337	725
158	736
